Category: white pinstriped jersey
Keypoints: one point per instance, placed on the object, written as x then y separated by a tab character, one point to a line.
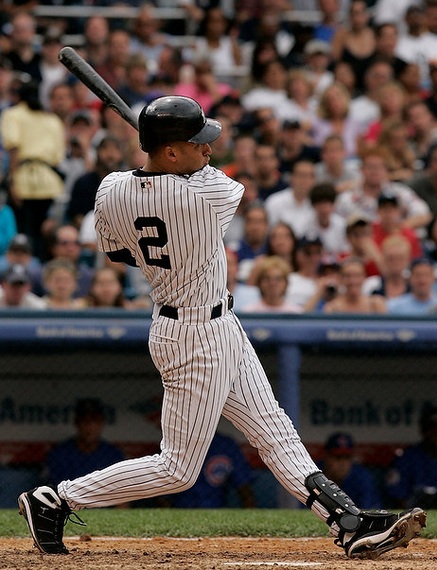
159	218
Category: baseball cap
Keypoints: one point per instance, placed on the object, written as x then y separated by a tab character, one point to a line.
386	198
81	115
356	220
88	407
307	240
20	243
327	261
317	46
291	125
340	444
16	274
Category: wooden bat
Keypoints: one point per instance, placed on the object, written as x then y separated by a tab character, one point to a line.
89	77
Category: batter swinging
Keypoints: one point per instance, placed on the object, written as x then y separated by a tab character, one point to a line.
169	218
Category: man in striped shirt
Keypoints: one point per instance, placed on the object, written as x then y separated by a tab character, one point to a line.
169	218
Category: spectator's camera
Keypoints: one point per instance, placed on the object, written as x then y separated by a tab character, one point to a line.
331	290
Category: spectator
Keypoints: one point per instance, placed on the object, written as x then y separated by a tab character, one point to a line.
271	90
422	130
254	241
106	290
341	466
204	86
61	101
362	246
22	54
302	282
325	221
363	199
272	282
318	59
19	251
424	183
65	245
83	193
422	298
334	118
52	70
413	475
35	141
344	74
396	259
86	451
60	283
417	45
96	35
387	36
327	285
292	205
219	41
244	146
15	290
329	20
113	67
351	298
8	224
242	293
300	105
391	100
281	242
355	42
268	177
263	51
401	161
267	126
294	146
135	88
389	222
147	38
409	78
366	108
334	167
225	469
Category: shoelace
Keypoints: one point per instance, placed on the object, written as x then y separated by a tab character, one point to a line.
78	520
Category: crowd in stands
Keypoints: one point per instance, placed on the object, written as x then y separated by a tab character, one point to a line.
330	124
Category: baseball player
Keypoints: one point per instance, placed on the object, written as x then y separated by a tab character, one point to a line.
169	218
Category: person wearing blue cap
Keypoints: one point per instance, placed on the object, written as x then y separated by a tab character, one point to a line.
340	465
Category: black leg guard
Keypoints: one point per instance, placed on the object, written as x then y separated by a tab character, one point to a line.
340	507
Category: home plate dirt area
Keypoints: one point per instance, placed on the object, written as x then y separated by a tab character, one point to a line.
110	553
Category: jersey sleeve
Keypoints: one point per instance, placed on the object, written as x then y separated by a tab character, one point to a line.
106	240
221	192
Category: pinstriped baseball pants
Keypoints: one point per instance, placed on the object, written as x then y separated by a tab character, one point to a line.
208	369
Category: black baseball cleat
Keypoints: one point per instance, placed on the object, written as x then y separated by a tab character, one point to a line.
381	531
46	515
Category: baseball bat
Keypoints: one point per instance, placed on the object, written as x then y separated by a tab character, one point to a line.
89	77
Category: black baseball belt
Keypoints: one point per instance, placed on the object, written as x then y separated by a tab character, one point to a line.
217	311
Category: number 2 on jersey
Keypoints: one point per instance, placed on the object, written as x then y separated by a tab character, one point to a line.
160	240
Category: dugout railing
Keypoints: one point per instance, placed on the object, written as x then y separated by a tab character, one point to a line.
368	376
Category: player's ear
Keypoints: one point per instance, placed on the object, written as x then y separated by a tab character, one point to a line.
170	153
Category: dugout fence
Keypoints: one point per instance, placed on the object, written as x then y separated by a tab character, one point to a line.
369	377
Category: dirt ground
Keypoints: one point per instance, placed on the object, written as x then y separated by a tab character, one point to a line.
208	554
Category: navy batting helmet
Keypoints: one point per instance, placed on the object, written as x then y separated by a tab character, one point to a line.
175	118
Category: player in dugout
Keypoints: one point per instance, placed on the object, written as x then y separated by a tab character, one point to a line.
169	218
